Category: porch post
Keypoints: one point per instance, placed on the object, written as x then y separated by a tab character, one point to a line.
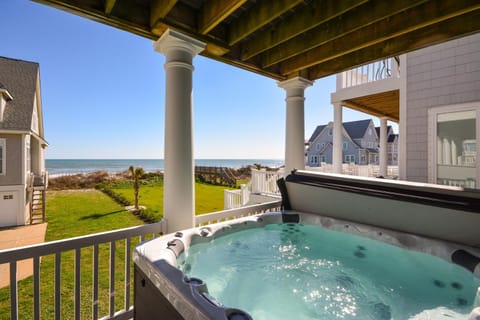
383	147
179	192
337	137
295	123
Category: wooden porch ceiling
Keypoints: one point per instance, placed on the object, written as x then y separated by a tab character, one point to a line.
385	104
282	39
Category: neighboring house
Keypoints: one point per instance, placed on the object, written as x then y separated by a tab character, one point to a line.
392	145
359	144
22	144
434	95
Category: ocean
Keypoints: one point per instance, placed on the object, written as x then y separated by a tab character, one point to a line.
73	166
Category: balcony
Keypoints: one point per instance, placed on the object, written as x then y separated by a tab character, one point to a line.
89	278
372	88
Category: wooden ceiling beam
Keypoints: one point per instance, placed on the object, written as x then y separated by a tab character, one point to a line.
159	10
214	12
109	4
449	29
356	19
304	19
424	18
264	12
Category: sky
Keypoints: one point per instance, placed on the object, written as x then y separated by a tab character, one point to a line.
103	93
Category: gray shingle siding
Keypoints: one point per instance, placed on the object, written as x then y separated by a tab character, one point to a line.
444	74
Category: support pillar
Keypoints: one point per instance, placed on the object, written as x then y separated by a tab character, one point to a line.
337	137
295	123
179	179
383	157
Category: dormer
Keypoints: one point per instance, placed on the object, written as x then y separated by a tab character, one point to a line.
5	96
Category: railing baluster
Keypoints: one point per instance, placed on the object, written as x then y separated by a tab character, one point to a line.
112	278
77	283
127	273
13	291
36	288
95	283
58	265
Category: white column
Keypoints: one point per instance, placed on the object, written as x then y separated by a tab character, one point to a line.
179	188
337	137
383	147
295	123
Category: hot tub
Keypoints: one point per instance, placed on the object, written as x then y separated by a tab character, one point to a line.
166	286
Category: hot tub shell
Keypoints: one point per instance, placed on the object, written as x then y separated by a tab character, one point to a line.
381	210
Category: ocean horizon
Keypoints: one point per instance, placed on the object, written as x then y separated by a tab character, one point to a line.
74	166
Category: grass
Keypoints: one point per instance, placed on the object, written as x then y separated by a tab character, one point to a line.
74	213
81	212
209	198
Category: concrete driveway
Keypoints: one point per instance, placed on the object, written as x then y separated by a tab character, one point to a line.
18	237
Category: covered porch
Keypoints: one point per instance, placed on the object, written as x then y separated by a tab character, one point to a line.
292	42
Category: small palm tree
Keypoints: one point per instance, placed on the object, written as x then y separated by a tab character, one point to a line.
137	173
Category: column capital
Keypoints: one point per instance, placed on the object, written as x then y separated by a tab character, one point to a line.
295	83
172	39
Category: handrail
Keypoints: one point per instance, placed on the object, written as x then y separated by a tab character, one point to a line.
237	212
56	248
371	72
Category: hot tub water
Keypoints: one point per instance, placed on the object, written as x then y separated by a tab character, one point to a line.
296	271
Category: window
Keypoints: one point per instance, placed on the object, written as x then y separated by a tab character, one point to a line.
363	159
314	159
349	158
454	132
323	159
320	146
345	145
2	156
330	131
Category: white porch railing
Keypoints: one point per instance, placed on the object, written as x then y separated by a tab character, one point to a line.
236	198
376	71
265	182
357	170
57	248
80	246
246	211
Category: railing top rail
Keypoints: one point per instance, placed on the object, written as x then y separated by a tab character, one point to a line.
37	250
236	212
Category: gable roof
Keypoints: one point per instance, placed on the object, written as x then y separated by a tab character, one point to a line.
20	79
315	133
356	129
391	138
389	128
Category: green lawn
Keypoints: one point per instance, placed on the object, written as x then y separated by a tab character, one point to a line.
81	212
69	214
208	198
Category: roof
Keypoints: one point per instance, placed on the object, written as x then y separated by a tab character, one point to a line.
356	129
20	79
391	138
287	38
315	133
377	129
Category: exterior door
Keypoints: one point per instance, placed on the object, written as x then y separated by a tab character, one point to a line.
9	208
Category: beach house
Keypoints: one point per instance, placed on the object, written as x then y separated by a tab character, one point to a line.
359	144
22	144
295	43
433	93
